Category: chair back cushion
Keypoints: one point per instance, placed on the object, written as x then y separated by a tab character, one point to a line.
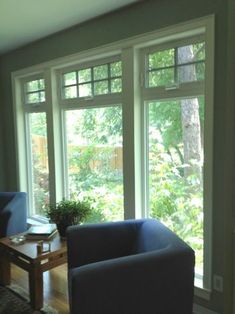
5	198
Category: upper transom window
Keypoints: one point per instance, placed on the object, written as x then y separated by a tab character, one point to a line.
35	91
92	81
176	65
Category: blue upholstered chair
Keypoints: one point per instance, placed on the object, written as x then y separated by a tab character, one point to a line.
129	267
13	213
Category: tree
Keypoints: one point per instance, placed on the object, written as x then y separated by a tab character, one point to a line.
190	115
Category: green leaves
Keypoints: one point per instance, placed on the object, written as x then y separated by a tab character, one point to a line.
176	198
69	212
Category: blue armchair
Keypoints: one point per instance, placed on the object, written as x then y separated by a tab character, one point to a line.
13	213
129	267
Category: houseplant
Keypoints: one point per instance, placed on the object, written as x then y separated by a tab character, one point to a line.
68	212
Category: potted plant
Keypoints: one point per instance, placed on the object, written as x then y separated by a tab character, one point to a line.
68	212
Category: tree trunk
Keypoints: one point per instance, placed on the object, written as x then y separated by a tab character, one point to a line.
190	117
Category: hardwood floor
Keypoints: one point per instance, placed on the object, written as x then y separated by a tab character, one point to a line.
55	286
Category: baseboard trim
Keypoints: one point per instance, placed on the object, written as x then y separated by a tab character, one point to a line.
198	309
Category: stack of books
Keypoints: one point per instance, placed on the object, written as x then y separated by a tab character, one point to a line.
41	232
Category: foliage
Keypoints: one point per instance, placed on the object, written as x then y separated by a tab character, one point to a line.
40	169
38	123
100	182
91	160
166	68
69	212
101	126
40	186
175	199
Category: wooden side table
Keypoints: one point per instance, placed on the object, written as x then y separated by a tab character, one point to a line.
25	256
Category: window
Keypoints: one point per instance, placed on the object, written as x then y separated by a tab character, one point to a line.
130	126
37	145
174	139
97	80
35	91
176	65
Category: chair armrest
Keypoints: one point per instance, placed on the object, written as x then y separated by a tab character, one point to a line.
165	275
14	215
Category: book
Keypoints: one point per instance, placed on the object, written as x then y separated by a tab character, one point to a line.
41	232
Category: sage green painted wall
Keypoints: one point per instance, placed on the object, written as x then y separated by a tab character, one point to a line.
140	18
2	176
229	192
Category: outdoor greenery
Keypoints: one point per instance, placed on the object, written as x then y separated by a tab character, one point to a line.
40	175
94	139
175	196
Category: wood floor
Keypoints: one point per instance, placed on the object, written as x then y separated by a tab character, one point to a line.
55	286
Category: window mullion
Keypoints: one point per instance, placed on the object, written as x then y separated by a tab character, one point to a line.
54	140
29	162
131	134
176	65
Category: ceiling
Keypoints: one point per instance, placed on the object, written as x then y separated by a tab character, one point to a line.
24	21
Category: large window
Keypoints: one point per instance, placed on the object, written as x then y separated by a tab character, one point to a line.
130	127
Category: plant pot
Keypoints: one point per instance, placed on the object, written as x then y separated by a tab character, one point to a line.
62	229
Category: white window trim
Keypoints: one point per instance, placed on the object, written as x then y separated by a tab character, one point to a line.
131	116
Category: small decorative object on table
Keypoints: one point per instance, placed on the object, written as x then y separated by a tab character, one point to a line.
20	239
41	247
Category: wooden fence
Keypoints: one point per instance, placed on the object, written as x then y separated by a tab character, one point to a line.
39	147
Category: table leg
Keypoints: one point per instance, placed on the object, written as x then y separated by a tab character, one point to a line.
5	270
36	286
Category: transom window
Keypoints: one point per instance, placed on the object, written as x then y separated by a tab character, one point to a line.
35	91
176	65
92	81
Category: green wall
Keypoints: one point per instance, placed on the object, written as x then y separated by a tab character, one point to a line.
2	176
143	17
